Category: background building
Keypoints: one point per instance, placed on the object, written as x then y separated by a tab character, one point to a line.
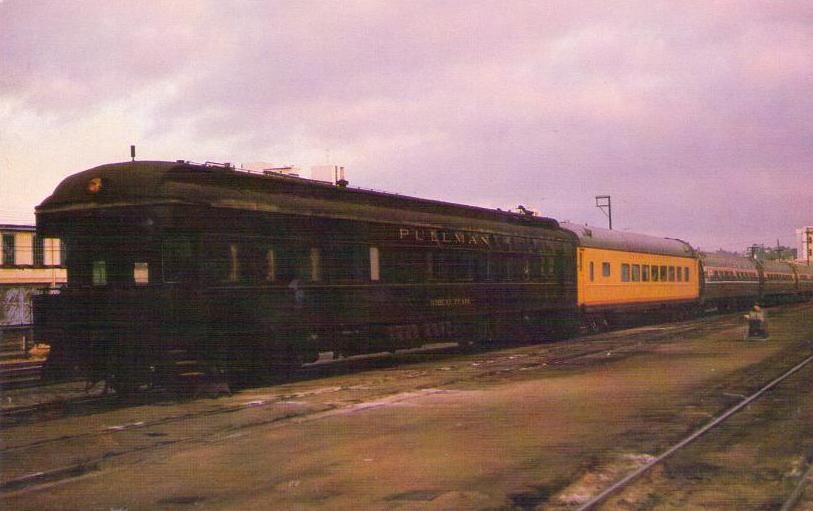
777	253
27	263
804	238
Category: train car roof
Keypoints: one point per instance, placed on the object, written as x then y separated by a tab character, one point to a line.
16	227
777	266
728	261
597	237
803	269
159	182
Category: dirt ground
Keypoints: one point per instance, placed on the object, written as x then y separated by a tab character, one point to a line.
498	430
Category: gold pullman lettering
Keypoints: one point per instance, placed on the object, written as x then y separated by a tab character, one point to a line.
470	239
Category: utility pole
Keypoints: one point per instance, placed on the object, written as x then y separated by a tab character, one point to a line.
603	201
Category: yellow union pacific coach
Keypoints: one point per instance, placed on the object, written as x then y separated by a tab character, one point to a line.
621	272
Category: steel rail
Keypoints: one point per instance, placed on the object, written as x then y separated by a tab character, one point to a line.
605	341
799	490
618	485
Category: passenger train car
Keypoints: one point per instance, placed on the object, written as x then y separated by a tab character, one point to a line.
619	273
730	282
779	280
804	278
180	270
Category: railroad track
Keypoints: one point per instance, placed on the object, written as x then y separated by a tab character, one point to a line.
553	354
630	478
798	491
489	363
51	409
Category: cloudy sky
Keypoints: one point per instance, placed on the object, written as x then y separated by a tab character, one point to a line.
696	116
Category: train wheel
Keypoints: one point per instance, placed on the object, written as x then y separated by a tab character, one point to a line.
467	345
283	370
127	371
126	381
185	374
123	388
309	356
594	324
484	334
283	363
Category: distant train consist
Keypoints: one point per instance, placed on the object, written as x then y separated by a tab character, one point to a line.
179	271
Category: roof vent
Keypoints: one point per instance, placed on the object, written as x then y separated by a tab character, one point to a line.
328	173
525	211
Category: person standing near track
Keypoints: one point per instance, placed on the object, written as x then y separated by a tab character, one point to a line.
757	326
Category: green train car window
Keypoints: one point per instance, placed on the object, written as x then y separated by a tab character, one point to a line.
99	273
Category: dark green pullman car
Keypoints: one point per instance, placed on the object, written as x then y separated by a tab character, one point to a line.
177	270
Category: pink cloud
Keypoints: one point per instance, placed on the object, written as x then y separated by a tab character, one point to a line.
487	102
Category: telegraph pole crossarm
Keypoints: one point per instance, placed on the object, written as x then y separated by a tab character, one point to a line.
604	201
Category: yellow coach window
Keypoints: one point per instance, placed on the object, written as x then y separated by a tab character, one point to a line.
592	274
625	273
645	273
636	272
605	269
654	273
